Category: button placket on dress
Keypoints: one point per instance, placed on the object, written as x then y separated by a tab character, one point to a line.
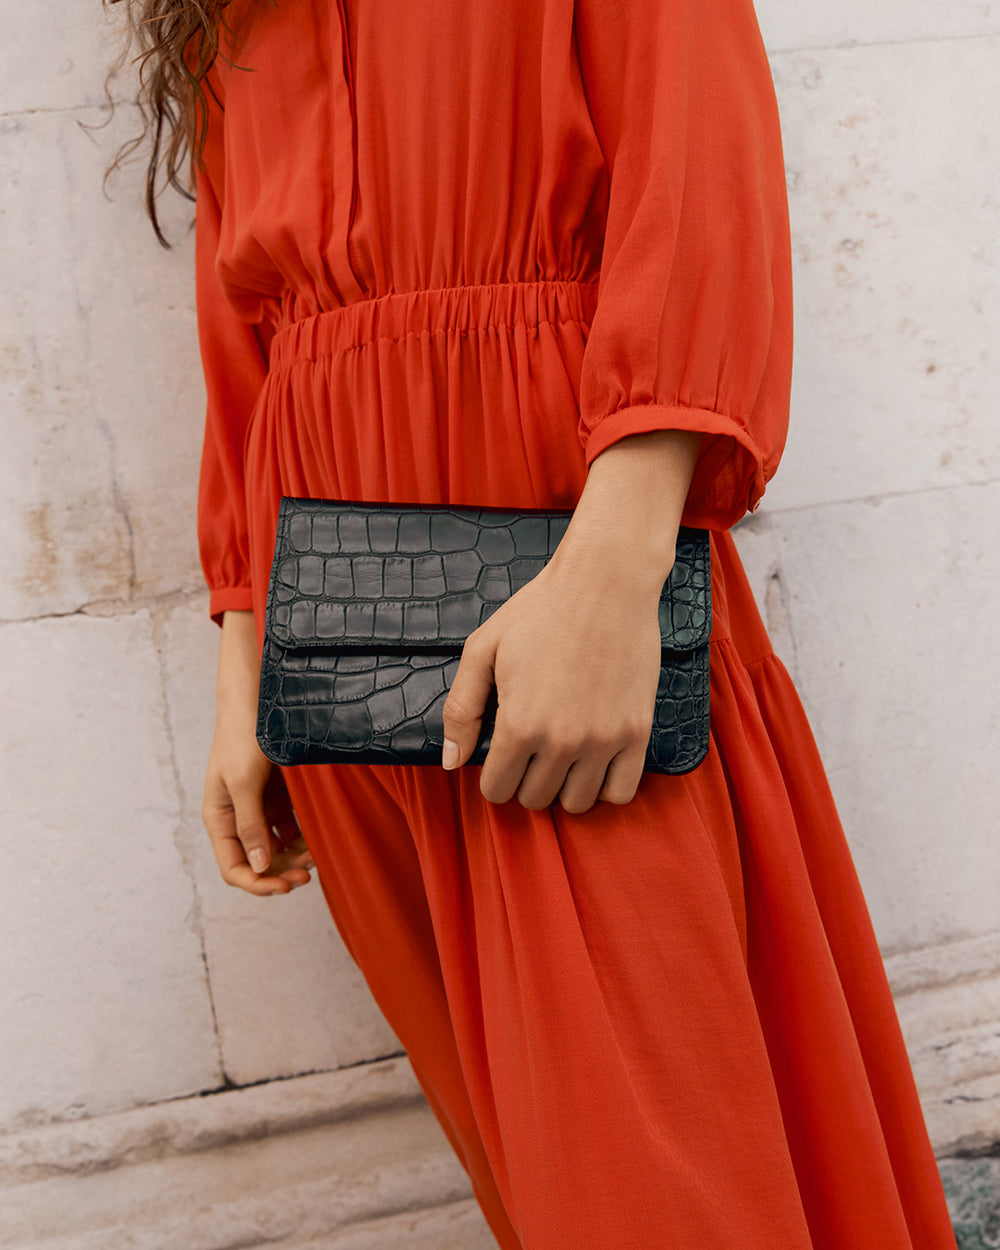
346	157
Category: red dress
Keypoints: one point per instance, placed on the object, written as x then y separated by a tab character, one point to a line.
449	251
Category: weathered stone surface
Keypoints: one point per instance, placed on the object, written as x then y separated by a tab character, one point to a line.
103	998
55	54
893	195
234	1169
951	963
972	1187
890	604
213	1121
948	999
757	542
458	1226
103	394
789	24
287	996
67	541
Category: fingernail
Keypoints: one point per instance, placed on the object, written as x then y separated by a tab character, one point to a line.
258	859
449	755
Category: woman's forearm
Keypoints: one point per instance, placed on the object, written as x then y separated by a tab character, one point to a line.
239	666
629	512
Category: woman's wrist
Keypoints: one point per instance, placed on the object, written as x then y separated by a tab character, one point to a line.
626	521
239	664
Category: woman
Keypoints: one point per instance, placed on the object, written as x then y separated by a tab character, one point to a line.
535	253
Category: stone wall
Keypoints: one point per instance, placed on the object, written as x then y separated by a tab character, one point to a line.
182	1069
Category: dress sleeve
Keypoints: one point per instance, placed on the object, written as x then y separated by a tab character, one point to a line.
693	324
234	361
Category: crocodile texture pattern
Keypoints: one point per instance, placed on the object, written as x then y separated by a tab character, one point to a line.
369	605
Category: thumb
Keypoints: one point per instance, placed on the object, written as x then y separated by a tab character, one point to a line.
466	702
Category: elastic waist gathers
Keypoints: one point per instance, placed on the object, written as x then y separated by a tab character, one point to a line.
455	309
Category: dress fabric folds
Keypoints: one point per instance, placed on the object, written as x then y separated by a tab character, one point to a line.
449	251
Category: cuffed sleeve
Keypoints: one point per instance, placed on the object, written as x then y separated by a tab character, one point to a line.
234	361
693	324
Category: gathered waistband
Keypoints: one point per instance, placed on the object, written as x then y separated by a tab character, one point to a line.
453	309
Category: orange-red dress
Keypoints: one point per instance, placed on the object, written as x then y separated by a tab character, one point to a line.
449	251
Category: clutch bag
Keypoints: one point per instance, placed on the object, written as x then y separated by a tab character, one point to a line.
368	607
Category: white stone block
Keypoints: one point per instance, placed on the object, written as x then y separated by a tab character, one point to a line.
220	1120
893	196
55	54
67	540
103	997
791	24
948	998
104	400
235	1169
288	998
892	605
757	542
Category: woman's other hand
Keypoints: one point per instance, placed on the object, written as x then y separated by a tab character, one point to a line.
246	808
575	654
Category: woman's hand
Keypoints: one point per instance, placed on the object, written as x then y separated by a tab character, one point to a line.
246	808
575	654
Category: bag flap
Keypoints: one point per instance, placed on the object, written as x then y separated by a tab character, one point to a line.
363	577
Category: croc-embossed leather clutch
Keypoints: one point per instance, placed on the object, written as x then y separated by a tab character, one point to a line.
368	607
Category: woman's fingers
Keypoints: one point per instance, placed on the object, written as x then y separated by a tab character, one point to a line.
277	801
466	702
288	841
280	816
252	826
291	865
289	851
582	787
575	783
286	871
552	765
545	778
510	756
624	775
230	854
240	823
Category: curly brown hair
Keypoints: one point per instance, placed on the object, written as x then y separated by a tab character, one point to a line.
177	41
